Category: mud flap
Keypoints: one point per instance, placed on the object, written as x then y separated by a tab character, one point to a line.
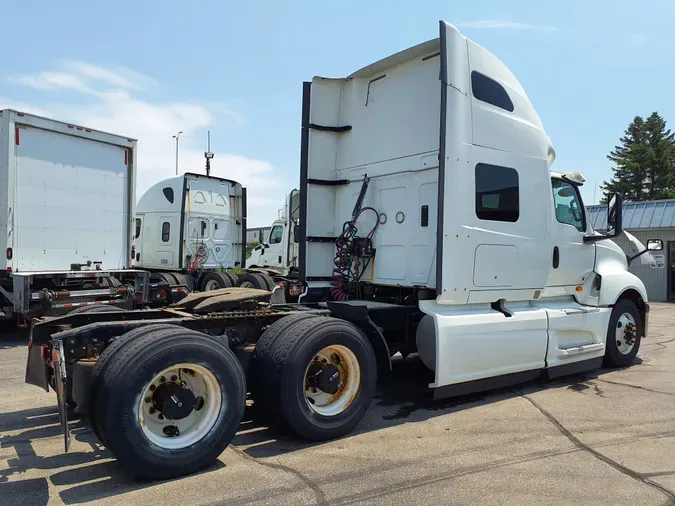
59	362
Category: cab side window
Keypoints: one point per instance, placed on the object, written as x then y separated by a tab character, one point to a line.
568	207
275	235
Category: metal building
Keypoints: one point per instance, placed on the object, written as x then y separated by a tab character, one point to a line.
257	234
647	220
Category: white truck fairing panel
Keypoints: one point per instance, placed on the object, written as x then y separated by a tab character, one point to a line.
67	195
185	214
397	117
393	108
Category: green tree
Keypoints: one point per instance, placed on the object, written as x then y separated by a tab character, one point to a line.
644	162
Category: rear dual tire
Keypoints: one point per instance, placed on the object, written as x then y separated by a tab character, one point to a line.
215	280
125	392
315	375
257	280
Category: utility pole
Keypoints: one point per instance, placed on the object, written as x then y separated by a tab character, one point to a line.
207	154
177	136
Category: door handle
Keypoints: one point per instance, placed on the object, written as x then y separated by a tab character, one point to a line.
556	257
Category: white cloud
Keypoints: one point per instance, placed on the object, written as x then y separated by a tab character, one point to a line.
115	76
112	106
52	81
503	24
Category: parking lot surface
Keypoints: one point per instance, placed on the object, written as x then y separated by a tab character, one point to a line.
603	438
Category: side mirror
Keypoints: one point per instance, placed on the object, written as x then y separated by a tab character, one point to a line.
296	233
614	219
655	245
614	215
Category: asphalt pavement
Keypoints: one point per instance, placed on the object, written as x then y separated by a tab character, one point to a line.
601	438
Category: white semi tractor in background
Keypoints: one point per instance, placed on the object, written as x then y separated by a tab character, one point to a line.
430	222
67	205
190	232
280	251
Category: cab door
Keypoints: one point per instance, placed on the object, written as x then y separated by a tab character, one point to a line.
573	333
273	252
572	260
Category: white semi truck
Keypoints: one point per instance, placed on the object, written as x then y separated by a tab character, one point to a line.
190	233
280	251
67	202
430	222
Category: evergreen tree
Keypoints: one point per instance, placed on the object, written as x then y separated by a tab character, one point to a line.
644	162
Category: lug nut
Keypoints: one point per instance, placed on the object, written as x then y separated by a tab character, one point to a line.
152	388
162	379
174	377
152	411
148	400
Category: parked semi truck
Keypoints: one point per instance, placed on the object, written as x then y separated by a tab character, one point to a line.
280	251
67	202
431	222
190	233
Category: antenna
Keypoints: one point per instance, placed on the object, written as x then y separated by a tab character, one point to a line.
207	154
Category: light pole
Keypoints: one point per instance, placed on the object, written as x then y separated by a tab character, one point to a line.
177	136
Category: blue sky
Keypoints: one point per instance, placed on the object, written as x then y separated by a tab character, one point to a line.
150	68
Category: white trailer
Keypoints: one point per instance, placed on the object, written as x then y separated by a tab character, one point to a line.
430	221
67	202
280	251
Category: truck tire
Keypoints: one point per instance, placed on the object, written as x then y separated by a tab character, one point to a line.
214	280
142	381
317	375
233	278
96	408
268	279
254	280
97	308
180	279
110	282
261	354
624	334
163	277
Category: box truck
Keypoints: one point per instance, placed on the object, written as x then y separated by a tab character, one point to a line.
431	222
67	205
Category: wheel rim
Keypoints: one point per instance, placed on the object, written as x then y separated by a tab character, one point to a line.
166	391
626	333
211	285
247	284
328	394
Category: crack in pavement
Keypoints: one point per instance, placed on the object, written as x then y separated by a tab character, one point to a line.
619	467
660	473
637	387
320	495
